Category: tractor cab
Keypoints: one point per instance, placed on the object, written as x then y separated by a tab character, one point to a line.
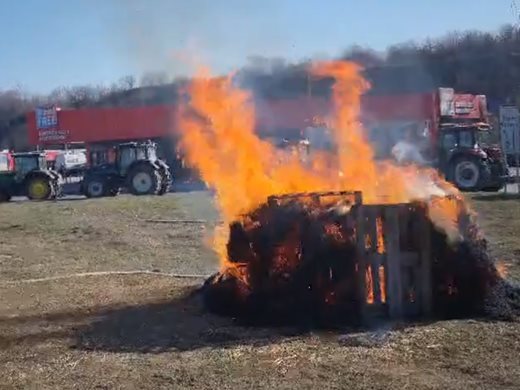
130	152
456	139
25	163
471	155
31	178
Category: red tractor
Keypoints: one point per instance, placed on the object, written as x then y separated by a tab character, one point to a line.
462	144
448	131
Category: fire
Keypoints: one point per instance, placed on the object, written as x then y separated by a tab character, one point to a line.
502	268
355	156
380	239
287	254
445	212
334	231
370	299
218	138
370	285
382	283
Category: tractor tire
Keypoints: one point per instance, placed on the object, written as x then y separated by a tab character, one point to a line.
144	179
58	186
39	188
166	182
57	189
466	173
95	187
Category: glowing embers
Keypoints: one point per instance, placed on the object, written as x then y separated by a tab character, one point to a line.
381	284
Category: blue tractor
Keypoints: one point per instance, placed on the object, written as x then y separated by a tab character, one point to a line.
135	168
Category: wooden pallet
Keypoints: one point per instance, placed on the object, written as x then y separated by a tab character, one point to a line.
394	271
397	264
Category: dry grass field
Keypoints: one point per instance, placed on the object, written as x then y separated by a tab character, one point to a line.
145	331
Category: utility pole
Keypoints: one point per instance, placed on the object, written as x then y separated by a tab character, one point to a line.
516	135
516	102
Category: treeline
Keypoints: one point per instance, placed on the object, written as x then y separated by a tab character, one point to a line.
471	61
152	88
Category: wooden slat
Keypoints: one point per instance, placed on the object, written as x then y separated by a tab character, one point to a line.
394	289
403	227
355	194
361	260
417	275
405	282
410	308
409	259
375	283
425	278
371	213
358	197
413	226
376	259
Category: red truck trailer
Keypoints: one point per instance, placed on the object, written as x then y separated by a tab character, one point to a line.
100	128
451	130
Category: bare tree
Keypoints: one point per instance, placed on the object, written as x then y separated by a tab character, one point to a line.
151	79
127	82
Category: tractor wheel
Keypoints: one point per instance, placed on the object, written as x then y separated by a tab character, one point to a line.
166	182
57	189
58	186
39	188
466	173
144	180
95	187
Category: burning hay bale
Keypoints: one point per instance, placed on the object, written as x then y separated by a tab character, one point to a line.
290	261
302	261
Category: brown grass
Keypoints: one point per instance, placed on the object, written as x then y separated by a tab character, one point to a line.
144	331
499	217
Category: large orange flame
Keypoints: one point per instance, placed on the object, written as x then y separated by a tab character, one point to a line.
218	138
502	268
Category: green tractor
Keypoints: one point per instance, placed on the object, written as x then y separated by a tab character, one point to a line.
31	178
136	168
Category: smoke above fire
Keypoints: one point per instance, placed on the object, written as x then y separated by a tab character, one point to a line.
218	138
